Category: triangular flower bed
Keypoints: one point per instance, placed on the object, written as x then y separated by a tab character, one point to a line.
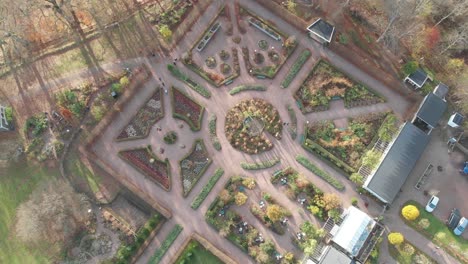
145	161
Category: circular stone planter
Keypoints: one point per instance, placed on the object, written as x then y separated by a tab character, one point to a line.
224	55
263	44
170	137
225	68
248	121
210	62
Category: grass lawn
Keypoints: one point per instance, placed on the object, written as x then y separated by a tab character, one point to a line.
407	253
440	234
195	253
76	166
16	184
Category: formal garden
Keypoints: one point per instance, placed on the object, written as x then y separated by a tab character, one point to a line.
346	148
326	83
146	162
196	253
187	109
149	114
247	122
297	188
194	165
223	216
270	213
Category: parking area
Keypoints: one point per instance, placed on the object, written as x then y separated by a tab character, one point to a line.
448	184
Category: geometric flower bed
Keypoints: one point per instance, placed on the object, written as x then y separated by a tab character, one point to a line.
185	108
343	147
246	122
325	83
194	165
262	214
145	161
297	187
215	66
150	113
262	60
222	216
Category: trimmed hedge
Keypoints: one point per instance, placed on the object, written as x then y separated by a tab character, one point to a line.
166	244
262	165
315	148
293	128
207	188
314	169
212	128
247	87
195	86
295	68
126	251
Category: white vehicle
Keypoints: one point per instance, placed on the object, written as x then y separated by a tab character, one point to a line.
432	204
461	226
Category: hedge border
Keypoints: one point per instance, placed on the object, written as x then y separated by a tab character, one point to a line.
296	68
247	87
260	165
176	72
322	174
166	244
200	198
213	135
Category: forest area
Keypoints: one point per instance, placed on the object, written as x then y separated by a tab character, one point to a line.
433	34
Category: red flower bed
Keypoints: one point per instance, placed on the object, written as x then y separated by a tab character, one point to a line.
157	170
187	109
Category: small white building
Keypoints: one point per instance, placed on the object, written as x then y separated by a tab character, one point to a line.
455	120
321	31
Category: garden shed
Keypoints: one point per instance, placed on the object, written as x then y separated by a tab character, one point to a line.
4	126
417	78
431	110
321	31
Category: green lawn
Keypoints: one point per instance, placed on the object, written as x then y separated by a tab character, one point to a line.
16	184
412	255
439	233
75	166
195	253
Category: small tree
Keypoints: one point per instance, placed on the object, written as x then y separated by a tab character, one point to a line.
274	212
395	238
165	32
240	198
249	183
357	178
225	196
332	201
410	212
371	159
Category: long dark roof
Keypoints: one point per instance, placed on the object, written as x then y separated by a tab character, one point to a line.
398	163
419	77
432	109
322	28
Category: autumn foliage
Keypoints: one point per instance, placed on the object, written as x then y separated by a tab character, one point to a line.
395	238
433	37
410	212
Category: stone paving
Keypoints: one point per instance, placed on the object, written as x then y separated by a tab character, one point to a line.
193	221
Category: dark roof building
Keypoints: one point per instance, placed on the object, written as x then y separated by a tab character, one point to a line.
400	158
321	31
441	90
431	109
397	164
417	78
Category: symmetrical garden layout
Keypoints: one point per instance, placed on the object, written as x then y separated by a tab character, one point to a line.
166	158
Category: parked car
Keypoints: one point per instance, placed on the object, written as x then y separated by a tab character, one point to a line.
461	226
454	218
432	204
